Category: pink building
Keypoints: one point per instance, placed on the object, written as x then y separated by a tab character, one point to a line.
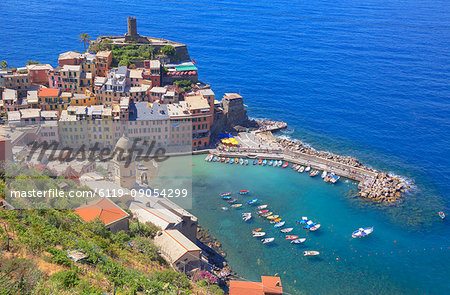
39	73
70	58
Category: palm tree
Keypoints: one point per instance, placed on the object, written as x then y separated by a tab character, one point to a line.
84	38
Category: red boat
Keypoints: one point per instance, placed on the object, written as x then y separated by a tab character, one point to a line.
243	192
285	164
291	237
262	211
259	161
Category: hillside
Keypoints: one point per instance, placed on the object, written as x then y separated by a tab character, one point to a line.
33	258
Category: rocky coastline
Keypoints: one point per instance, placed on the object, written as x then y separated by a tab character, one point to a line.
381	188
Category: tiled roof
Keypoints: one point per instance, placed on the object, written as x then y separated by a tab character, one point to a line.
103	208
48	92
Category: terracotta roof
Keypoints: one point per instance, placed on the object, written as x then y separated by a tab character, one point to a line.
269	285
48	92
103	208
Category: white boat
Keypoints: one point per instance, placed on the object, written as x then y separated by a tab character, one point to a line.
280	224
334	178
311	253
362	232
315	227
241	161
209	157
324	174
247	218
298	241
307	169
301	169
259	234
267	240
287	230
262	207
279	163
246	162
303	221
246	214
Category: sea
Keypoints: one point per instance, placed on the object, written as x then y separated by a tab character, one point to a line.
368	79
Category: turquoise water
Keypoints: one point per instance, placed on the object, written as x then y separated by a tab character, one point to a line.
395	259
379	93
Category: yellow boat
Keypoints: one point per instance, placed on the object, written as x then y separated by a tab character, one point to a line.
256	230
275	220
273	217
266	214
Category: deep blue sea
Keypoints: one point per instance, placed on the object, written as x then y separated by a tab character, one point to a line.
365	78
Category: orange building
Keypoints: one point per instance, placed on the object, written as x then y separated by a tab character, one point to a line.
114	217
268	286
103	62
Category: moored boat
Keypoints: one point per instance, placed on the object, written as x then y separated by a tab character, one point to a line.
266	214
298	241
311	253
362	232
241	161
280	224
209	157
222	159
315	227
285	164
324	174
224	208
246	162
267	240
232	201
256	229
247	217
301	169
255	161
291	237
273	217
309	224
262	211
227	160
264	163
236	160
303	220
441	215
287	230
236	205
334	178
244	192
225	197
259	234
307	168
225	194
252	201
275	220
314	173
270	163
279	163
260	161
262	207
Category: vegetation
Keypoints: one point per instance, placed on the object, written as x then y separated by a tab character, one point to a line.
3	64
168	50
33	62
84	38
119	263
184	85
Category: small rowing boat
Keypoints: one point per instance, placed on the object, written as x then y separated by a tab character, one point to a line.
314	173
315	227
247	217
209	157
236	160
442	215
262	211
303	221
307	169
255	161
259	234
362	232
280	224
275	220
232	201
324	174
279	163
270	163
241	161
298	241
225	197
287	230
260	161
231	161
264	163
273	217
224	208
301	169
246	162
243	192
334	178
311	253
227	160
222	159
267	240
252	201
236	205
256	230
285	164
309	224
291	237
261	207
266	214
225	194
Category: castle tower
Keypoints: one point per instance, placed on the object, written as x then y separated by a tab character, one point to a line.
132	28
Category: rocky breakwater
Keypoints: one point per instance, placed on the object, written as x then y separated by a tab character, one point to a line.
376	186
383	188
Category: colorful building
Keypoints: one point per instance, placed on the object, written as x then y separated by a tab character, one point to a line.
103	62
70	58
39	73
268	286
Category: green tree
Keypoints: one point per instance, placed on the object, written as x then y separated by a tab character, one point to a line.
33	62
84	38
168	50
3	64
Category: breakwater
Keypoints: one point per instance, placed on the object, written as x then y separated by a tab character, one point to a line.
374	185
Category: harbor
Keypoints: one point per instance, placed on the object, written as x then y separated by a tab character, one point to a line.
262	144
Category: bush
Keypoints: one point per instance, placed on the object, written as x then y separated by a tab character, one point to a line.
147	230
146	246
59	257
66	278
173	278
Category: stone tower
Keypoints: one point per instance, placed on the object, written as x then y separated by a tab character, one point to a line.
132	28
124	175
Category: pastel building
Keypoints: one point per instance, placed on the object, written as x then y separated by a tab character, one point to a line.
201	107
19	82
103	62
180	124
39	73
70	58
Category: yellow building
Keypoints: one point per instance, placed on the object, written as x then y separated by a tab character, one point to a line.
87	99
